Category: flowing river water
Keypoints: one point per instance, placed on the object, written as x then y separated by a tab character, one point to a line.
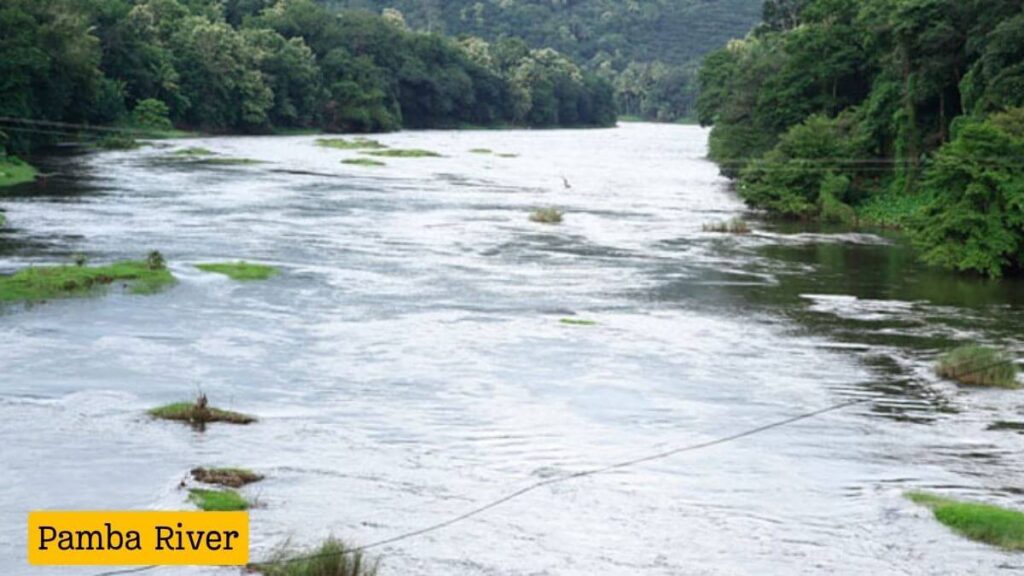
410	361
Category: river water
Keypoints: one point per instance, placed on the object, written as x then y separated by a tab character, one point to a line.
410	361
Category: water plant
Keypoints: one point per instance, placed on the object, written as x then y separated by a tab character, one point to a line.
228	477
331	558
194	151
734	226
980	522
242	271
577	322
229	161
40	283
199	413
978	366
508	155
218	500
547	216
481	151
363	162
358	143
410	153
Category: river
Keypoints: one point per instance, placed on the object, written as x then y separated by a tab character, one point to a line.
410	361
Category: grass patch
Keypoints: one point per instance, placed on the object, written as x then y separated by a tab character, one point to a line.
890	209
978	366
980	522
409	153
229	161
15	171
577	322
198	413
242	271
481	151
735	226
194	152
45	282
359	143
547	216
332	558
507	155
228	477
363	162
218	500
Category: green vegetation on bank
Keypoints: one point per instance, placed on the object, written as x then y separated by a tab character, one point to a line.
262	66
218	500
228	477
332	558
981	522
978	366
894	113
547	216
242	271
15	171
40	283
411	153
649	50
195	414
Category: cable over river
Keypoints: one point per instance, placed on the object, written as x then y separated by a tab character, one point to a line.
426	348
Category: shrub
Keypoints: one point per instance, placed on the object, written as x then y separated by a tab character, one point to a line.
978	366
152	114
332	558
973	220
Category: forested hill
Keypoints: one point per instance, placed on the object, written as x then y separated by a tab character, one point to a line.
906	113
649	48
260	65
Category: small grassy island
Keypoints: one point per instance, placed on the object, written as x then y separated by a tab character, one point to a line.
218	500
14	171
577	322
410	153
978	366
40	283
359	143
547	216
369	162
227	477
332	558
980	522
198	413
241	271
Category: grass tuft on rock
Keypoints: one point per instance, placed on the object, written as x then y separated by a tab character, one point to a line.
332	558
227	477
980	522
363	162
198	413
547	216
978	366
358	143
734	226
39	283
218	500
410	153
241	271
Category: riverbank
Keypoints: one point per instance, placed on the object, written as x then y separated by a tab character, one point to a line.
14	170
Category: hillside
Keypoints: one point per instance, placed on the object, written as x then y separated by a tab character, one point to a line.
649	48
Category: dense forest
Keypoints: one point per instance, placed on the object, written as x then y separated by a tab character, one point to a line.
255	66
903	113
649	49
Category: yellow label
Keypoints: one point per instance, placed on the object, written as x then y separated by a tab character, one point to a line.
138	538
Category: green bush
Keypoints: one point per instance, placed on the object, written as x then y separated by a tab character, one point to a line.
152	114
973	219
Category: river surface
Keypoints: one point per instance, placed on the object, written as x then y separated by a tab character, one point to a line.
410	362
